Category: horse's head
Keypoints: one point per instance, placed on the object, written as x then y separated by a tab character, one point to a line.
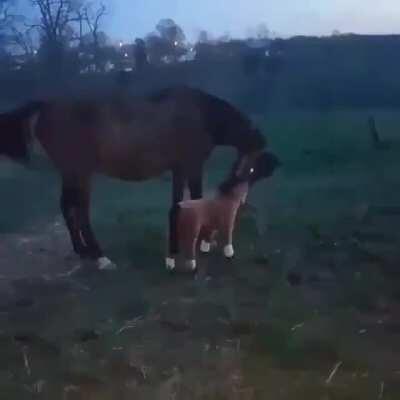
256	166
264	166
250	168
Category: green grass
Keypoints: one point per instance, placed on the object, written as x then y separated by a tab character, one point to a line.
330	170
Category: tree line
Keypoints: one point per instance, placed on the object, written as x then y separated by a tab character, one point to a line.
66	41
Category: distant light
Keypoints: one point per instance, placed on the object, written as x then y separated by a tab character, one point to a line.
120	44
34	52
126	54
176	43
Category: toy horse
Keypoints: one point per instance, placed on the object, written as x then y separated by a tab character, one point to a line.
200	219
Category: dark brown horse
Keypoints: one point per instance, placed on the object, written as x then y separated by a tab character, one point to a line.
131	139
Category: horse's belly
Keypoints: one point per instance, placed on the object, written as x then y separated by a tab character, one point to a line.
137	167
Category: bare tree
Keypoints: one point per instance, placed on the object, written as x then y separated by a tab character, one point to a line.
23	40
170	31
167	43
204	37
64	21
92	19
7	23
56	32
5	16
55	19
262	31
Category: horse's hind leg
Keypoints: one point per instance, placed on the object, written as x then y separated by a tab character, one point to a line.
75	209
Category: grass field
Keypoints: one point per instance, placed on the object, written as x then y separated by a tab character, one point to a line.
330	216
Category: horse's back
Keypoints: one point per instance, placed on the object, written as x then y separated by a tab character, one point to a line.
132	138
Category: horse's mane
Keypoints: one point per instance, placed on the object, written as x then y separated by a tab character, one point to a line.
227	125
230	126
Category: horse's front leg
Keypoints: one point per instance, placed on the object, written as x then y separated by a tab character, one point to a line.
189	249
70	204
196	185
178	185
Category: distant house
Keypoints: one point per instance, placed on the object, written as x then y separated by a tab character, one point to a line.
256	43
126	61
233	49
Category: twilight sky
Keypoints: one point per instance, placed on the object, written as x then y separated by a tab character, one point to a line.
131	18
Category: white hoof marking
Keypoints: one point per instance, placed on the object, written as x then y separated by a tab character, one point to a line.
105	264
191	264
205	247
170	263
228	251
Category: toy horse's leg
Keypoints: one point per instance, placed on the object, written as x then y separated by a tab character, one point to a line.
178	185
196	192
206	236
227	235
189	245
189	242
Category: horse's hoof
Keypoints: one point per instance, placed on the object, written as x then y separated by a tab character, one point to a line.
205	247
228	251
191	265
105	264
170	264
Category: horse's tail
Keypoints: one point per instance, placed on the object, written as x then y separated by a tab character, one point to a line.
15	130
